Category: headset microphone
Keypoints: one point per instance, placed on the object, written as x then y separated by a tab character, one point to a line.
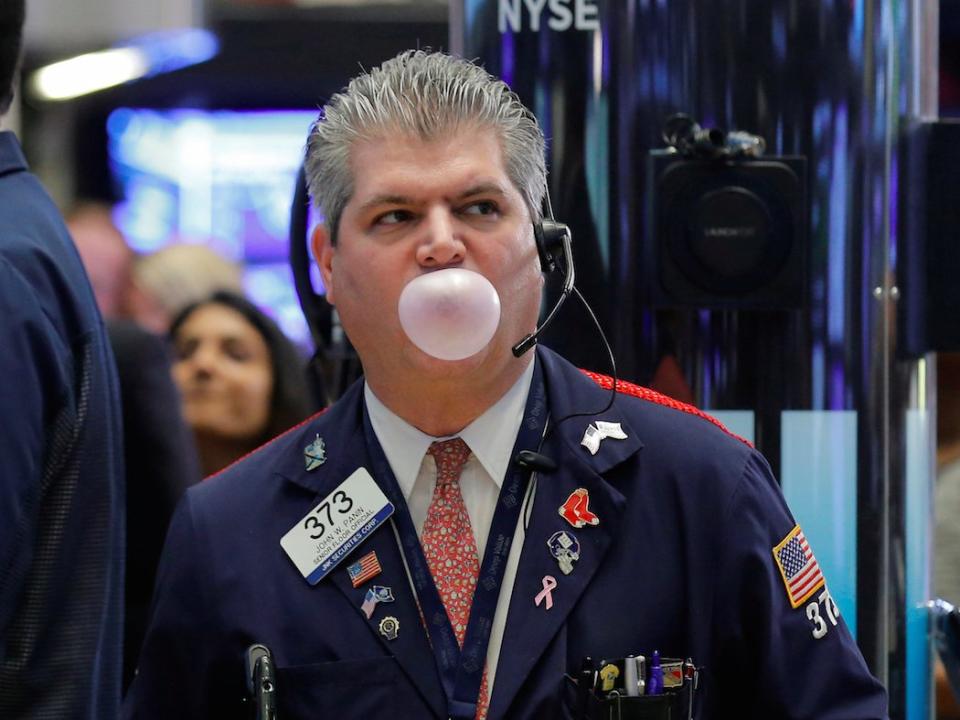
554	247
553	239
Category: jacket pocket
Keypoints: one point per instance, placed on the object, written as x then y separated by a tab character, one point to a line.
347	689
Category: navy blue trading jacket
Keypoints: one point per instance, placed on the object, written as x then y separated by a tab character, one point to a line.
681	561
61	469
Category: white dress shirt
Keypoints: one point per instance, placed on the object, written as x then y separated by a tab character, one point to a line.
491	438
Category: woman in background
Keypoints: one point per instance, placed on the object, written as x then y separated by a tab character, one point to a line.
241	380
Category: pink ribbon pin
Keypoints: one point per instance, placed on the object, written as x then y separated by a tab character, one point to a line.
549	583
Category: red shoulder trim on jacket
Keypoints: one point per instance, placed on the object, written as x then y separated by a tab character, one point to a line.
628	388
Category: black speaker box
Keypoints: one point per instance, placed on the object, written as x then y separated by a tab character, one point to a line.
726	233
928	271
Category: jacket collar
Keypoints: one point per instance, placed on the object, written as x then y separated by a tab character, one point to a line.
576	402
530	629
11	156
569	393
341	429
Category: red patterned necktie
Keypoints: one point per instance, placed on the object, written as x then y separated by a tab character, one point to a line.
449	544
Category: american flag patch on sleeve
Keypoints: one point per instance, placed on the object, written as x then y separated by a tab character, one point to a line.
798	567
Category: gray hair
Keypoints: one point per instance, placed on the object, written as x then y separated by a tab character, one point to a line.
425	95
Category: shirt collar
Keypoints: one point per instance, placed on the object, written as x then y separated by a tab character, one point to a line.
491	436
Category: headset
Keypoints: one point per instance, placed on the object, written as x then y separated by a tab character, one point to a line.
328	378
554	248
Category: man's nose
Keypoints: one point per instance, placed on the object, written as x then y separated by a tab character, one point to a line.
442	244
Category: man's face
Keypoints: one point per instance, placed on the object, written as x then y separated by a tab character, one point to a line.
418	207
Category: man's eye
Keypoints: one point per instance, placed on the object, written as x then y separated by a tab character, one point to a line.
481	207
393	217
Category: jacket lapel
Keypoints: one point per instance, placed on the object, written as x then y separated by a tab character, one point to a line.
410	647
531	628
341	430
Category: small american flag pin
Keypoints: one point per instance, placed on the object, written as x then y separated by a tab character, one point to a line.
364	569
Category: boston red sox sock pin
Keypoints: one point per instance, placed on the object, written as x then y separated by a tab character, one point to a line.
576	510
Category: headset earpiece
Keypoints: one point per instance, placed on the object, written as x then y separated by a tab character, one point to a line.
549	235
551	238
556	255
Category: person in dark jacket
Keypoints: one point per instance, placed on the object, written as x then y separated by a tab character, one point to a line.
469	522
161	463
61	456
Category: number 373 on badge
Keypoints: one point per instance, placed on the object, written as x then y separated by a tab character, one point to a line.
333	529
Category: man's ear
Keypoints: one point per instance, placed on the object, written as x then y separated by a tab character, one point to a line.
323	251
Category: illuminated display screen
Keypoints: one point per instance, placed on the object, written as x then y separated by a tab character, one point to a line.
222	178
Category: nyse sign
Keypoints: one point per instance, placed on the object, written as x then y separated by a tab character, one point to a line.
559	15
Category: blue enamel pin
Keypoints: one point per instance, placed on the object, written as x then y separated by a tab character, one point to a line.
315	454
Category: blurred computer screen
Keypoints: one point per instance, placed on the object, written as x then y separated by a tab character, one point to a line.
223	178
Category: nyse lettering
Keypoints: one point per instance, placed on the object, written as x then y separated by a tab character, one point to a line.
558	15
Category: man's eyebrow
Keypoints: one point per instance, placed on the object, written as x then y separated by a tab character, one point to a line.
483	188
378	200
